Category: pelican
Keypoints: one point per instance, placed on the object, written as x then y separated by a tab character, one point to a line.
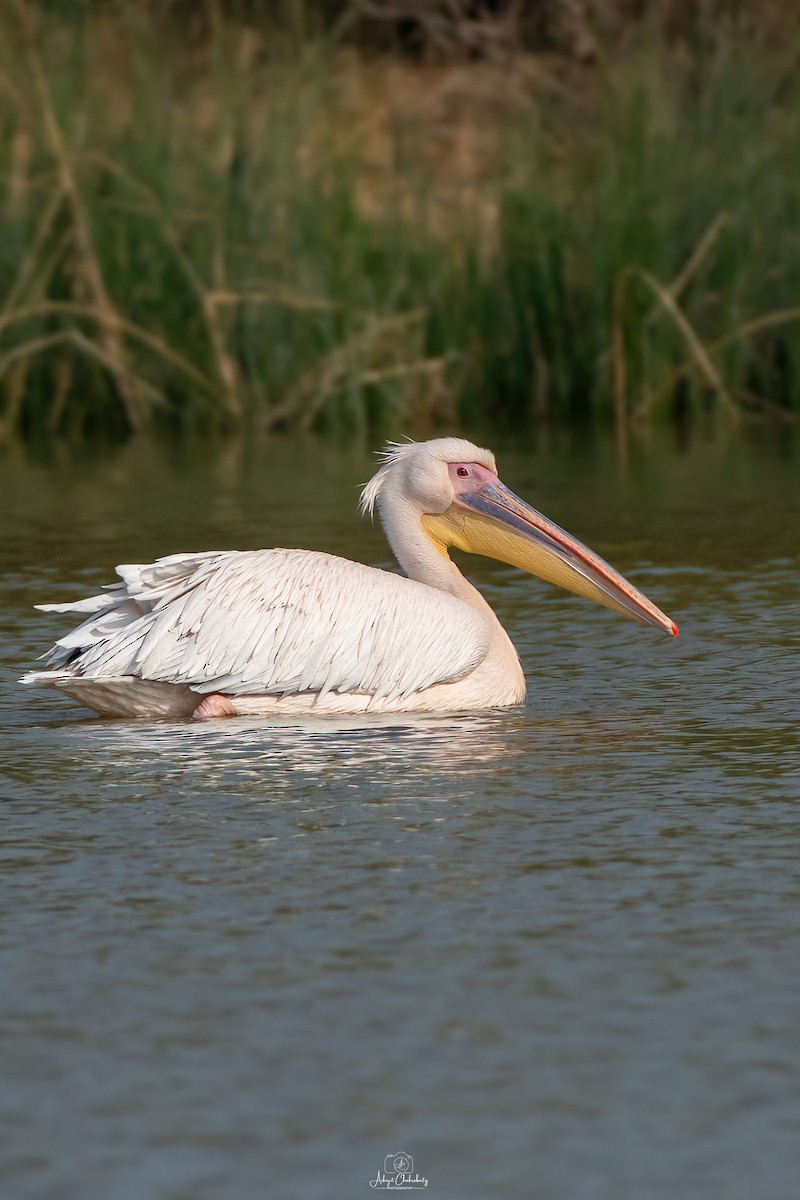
267	632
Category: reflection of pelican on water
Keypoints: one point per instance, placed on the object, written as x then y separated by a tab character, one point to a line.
293	631
389	751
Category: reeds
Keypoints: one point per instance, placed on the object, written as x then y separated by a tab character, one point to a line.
253	232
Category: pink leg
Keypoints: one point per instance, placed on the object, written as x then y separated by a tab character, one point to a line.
213	706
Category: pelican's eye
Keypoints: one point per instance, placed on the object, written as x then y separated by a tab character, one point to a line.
462	473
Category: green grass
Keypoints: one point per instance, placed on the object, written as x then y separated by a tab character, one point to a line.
205	239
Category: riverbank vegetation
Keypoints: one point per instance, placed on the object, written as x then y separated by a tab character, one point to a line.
282	224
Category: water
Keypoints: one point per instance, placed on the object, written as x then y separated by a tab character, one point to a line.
551	952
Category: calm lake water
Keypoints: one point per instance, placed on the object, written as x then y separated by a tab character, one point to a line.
552	952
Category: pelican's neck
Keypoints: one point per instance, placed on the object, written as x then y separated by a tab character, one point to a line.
422	561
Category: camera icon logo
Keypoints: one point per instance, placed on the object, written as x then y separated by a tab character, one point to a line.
398	1175
398	1164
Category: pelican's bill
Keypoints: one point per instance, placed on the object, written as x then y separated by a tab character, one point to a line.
494	522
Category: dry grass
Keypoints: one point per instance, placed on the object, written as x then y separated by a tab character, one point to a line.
252	234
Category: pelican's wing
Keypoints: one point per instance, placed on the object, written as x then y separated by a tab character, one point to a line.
273	622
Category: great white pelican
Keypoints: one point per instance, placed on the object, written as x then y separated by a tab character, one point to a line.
254	633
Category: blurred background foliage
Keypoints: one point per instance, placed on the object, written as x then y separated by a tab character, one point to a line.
418	213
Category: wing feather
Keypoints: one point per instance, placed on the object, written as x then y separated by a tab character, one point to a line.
274	622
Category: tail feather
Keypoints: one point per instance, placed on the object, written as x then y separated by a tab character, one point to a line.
44	678
113	623
91	604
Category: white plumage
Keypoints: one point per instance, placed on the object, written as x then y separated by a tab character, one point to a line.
270	630
273	622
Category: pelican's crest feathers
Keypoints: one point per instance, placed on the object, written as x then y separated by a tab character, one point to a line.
391	453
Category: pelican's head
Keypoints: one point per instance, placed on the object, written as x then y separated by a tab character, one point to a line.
452	487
